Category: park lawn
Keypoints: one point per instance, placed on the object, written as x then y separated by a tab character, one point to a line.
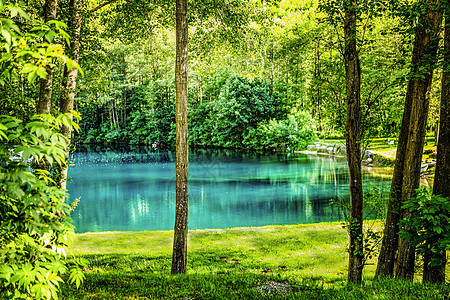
295	262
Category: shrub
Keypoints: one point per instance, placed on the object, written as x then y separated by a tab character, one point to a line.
428	224
34	219
292	133
233	120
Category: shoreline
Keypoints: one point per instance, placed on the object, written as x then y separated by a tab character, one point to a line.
211	230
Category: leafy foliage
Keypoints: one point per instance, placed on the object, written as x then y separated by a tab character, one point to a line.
242	105
146	116
34	219
249	115
292	133
27	47
428	224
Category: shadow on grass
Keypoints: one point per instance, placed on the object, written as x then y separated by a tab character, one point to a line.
216	276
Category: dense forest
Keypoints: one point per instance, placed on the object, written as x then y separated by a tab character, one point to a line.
253	74
267	75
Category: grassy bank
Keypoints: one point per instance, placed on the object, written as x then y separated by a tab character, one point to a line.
294	262
379	147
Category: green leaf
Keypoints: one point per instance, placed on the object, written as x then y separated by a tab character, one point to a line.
13	12
438	229
50	35
77	276
23	13
66	121
70	63
3	135
42	72
7	35
6	272
28	68
31	77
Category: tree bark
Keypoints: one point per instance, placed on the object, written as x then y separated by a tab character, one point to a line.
427	38
179	256
442	174
45	90
70	76
397	256
389	246
353	142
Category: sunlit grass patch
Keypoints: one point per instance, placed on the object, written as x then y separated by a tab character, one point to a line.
272	262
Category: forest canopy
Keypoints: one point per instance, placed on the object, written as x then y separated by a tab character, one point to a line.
288	48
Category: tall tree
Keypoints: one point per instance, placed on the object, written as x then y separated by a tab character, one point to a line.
45	92
353	140
179	256
433	272
71	75
410	146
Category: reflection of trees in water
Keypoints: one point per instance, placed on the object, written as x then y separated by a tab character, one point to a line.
133	189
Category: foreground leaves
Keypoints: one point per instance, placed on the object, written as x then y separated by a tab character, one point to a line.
34	218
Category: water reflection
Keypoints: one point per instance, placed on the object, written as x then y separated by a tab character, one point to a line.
134	189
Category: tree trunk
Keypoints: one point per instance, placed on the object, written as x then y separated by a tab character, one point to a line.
442	174
410	145
436	133
353	139
427	40
200	90
319	86
179	256
389	247
45	90
70	76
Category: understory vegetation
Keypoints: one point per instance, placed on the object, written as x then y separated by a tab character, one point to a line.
274	262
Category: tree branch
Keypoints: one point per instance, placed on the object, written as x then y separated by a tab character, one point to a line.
93	10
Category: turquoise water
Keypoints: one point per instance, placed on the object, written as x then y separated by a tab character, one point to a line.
133	190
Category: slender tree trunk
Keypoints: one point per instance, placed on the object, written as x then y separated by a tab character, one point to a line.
442	175
70	76
353	139
397	256
200	90
111	125
179	257
436	133
45	90
125	110
319	87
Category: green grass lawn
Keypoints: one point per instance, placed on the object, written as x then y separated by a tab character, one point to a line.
286	262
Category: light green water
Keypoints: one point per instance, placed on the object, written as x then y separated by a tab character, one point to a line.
134	190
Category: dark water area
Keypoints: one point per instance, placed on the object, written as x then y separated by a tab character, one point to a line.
133	189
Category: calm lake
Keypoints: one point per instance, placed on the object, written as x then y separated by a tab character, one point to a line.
127	189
